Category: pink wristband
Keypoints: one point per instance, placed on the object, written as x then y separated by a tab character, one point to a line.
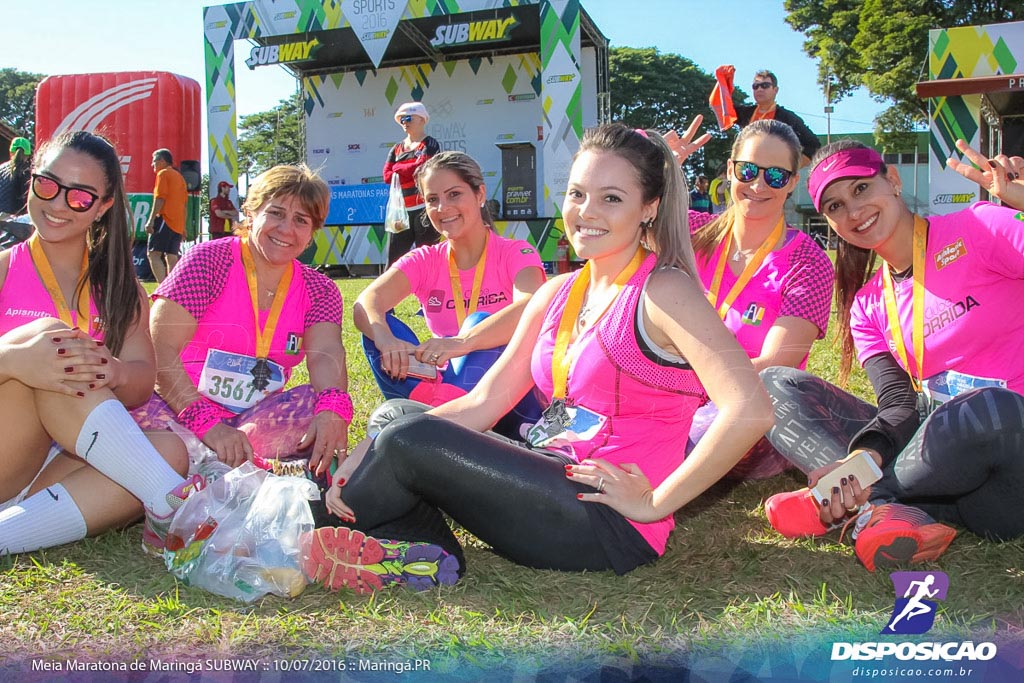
201	415
336	401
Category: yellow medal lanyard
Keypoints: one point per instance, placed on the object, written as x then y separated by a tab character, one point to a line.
748	272
265	334
560	358
53	289
478	279
917	310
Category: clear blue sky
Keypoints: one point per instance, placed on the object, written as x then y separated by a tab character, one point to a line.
166	35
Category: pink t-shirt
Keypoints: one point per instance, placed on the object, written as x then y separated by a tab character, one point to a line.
427	271
209	282
649	406
974	286
795	280
23	297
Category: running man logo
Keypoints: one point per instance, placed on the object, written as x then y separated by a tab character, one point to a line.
280	54
914	612
489	31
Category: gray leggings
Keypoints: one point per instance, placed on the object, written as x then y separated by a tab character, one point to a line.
965	463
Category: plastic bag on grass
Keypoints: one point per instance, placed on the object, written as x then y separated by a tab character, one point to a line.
397	217
240	536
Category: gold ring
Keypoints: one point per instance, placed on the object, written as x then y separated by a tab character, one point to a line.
435	356
600	485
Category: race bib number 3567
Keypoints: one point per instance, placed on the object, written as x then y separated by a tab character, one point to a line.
226	380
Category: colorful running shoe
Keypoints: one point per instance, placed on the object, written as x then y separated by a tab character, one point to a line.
344	558
154	529
794	514
892	534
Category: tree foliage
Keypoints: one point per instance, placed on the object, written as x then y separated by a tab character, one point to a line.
665	91
883	46
18	101
272	137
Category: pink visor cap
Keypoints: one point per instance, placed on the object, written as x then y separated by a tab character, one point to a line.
858	162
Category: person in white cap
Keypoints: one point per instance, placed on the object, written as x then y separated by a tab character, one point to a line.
404	159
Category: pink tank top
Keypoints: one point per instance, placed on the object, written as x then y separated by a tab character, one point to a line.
649	407
23	297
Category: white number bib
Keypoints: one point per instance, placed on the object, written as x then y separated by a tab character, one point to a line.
226	380
582	425
945	385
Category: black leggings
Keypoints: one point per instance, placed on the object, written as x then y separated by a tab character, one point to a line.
419	233
517	500
965	463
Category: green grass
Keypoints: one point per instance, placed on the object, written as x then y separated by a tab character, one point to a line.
726	581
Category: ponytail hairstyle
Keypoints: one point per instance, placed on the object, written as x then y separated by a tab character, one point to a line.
854	266
111	275
707	239
462	165
659	176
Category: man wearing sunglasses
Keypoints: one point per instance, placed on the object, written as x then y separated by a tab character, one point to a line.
14	177
166	224
765	88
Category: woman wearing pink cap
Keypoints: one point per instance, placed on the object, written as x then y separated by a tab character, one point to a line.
404	159
937	331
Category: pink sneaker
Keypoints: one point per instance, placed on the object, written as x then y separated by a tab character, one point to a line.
894	534
794	514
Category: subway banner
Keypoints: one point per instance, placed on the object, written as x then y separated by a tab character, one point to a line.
500	74
964	52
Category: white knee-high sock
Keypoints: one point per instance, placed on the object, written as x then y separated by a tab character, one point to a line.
43	520
111	442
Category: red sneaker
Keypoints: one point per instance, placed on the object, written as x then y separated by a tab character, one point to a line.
893	534
344	558
795	514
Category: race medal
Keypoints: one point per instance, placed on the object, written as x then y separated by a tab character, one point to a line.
260	374
229	379
556	414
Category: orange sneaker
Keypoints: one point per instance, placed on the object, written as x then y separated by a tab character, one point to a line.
892	534
794	514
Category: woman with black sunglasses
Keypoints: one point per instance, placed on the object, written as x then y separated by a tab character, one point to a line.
770	283
74	352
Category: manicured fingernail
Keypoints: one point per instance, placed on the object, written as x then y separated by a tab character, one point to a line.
81	394
579	496
835	490
101	376
56	340
92	386
568	473
70	368
99	342
843	481
61	352
853	477
341	482
824	502
103	361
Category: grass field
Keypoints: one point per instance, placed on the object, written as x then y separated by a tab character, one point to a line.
726	583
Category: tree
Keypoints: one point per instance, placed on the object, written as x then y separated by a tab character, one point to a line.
18	100
272	137
665	91
883	45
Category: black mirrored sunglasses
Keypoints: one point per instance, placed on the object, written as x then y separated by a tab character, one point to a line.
746	172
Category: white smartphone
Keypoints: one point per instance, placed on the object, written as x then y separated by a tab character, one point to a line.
421	370
861	465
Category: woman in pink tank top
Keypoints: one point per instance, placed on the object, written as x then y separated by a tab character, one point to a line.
232	320
74	351
620	351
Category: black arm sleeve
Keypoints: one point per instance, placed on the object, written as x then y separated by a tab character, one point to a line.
897	419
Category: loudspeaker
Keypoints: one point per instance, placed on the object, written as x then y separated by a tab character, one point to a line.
190	171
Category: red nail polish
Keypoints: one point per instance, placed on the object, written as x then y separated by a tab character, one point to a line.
568	473
81	394
341	482
579	496
61	352
56	340
103	361
99	342
92	386
70	368
101	376
568	467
